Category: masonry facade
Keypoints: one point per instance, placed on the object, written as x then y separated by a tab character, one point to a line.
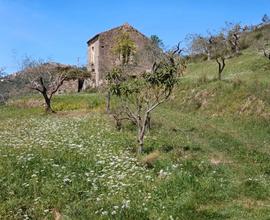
101	58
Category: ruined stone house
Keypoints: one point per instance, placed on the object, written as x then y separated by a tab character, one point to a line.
101	57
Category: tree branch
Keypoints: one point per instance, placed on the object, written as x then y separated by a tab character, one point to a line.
58	85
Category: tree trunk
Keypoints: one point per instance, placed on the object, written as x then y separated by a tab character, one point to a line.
108	104
148	122
140	142
237	49
219	75
221	66
48	108
141	132
266	55
118	122
208	56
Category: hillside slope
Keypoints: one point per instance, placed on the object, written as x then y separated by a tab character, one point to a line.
207	155
243	90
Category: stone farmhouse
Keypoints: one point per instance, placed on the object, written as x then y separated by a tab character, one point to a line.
101	57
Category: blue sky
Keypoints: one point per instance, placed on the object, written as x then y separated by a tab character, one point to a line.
59	29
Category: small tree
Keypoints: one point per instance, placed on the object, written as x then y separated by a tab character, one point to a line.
157	42
220	51
200	45
265	19
233	37
263	44
47	78
2	72
124	48
139	96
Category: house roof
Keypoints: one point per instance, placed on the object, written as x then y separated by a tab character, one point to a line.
124	26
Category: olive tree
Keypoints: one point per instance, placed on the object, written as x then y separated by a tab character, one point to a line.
2	95
219	51
47	77
201	45
2	71
263	43
233	37
139	96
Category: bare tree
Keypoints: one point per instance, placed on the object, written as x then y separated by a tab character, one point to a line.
265	19
201	45
266	53
263	44
233	37
139	96
220	51
3	96
46	85
2	71
48	77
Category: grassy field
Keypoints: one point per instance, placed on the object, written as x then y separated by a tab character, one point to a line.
207	155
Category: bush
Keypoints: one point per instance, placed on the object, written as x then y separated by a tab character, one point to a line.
237	82
203	79
151	158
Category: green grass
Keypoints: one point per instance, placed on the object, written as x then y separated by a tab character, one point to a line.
80	101
214	144
248	66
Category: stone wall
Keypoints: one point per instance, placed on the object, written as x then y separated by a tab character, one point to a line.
93	59
70	86
107	57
